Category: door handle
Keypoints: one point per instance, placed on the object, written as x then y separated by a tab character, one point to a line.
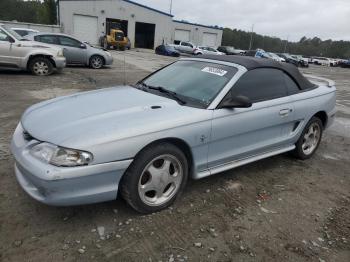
285	112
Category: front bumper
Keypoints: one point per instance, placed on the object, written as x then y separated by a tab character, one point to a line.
60	62
108	60
64	186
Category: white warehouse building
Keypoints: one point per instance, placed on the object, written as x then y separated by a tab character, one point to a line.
146	27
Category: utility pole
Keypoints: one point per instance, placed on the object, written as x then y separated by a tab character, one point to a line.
251	38
171	6
285	46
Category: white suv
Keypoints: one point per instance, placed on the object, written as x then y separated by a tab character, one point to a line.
21	54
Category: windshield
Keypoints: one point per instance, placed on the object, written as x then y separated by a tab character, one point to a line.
13	33
195	81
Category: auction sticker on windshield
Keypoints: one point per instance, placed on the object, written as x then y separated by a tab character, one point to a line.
214	70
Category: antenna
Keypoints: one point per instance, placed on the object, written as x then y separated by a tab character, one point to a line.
171	6
124	71
285	46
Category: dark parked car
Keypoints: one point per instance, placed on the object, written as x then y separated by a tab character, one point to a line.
289	59
345	64
167	50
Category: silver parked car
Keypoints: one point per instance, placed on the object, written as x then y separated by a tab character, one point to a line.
75	51
24	31
20	54
191	119
206	50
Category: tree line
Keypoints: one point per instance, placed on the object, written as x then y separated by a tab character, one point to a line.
34	11
306	46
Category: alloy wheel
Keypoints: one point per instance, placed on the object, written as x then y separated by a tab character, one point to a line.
41	68
97	62
311	138
160	180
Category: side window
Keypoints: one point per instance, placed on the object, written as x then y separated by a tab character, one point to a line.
292	87
67	41
21	32
3	36
48	39
260	85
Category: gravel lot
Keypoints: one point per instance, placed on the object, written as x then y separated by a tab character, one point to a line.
277	209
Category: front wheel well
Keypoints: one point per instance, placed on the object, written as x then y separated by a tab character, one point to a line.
322	115
40	55
181	144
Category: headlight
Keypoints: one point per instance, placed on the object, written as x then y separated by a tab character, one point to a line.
60	53
60	156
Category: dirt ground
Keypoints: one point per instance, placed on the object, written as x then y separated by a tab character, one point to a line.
277	209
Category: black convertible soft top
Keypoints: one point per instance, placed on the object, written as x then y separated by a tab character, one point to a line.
252	63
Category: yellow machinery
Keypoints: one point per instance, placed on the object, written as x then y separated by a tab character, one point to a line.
116	39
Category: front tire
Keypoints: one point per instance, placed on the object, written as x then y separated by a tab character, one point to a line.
156	177
309	139
40	66
96	62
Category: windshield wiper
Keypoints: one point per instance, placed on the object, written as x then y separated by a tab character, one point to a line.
168	92
143	86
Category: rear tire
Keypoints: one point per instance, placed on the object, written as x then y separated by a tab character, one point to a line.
40	66
309	140
155	178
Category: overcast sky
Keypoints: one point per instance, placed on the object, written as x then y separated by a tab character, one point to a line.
327	19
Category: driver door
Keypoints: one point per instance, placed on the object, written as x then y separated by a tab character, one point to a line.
239	133
6	57
74	51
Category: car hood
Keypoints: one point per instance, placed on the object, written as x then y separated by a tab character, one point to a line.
99	116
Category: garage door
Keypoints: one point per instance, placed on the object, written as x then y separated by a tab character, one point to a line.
209	39
85	28
182	35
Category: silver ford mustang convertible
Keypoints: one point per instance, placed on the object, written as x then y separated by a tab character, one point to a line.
191	119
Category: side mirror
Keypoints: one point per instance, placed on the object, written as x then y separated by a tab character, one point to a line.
82	46
236	102
11	40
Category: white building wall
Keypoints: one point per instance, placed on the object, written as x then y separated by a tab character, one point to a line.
39	27
116	9
197	32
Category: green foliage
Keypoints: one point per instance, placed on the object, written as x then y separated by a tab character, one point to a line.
305	46
33	11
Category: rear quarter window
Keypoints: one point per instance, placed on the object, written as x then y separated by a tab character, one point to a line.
261	84
292	86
